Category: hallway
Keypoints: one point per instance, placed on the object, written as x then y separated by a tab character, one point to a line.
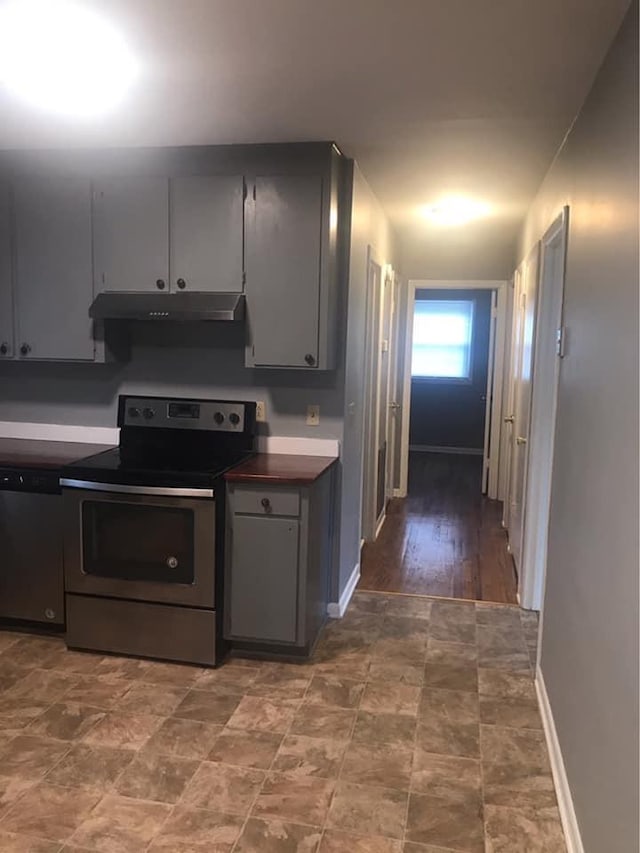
444	539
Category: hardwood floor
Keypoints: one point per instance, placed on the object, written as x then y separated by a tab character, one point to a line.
444	539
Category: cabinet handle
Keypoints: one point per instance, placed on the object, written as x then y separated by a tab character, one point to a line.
266	503
4	348
310	359
181	283
25	349
160	284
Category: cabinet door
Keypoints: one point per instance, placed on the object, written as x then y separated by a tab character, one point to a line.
6	297
207	216
263	575
53	269
283	271
131	234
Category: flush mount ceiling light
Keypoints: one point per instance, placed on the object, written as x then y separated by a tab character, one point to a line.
455	210
62	57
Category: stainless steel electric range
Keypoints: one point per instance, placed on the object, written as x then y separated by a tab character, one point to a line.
144	530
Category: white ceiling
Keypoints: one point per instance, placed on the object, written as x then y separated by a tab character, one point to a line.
430	96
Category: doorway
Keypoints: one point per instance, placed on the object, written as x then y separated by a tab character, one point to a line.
444	536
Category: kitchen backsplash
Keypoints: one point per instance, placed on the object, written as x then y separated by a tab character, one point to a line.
191	360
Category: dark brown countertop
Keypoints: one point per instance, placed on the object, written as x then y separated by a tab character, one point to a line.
280	469
27	453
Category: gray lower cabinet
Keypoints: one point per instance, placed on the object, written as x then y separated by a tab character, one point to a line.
31	554
53	264
206	233
131	234
6	294
278	561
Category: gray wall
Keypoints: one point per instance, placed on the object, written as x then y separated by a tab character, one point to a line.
369	228
205	360
590	630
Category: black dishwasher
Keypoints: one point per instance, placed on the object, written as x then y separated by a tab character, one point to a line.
31	542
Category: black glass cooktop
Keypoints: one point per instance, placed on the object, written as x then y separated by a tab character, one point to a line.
178	470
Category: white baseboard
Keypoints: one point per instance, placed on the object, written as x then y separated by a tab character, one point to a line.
337	609
563	791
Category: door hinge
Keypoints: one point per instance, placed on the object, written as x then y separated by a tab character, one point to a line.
560	341
104	278
244	278
244	190
254	192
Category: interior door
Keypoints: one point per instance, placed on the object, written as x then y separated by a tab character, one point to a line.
384	427
131	234
207	214
395	389
524	317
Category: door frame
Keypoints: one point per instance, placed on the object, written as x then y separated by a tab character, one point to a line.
549	334
373	326
495	375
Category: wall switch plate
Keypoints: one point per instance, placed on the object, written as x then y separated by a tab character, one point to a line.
261	411
313	415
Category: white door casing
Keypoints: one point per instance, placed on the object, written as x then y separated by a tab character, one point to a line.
494	384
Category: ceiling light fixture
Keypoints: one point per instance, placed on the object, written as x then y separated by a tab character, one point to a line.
456	210
62	57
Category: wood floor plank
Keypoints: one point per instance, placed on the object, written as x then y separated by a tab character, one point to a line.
444	539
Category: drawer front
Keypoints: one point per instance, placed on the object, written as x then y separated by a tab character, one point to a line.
262	501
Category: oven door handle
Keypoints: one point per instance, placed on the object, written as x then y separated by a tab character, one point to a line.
159	491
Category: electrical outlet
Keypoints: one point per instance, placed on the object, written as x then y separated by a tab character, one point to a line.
261	411
313	415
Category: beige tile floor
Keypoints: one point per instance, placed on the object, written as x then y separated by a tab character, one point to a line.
414	730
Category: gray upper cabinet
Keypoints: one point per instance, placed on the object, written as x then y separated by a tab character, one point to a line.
131	234
6	298
53	281
283	264
206	233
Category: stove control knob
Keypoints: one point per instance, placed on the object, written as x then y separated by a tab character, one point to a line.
218	418
234	417
133	412
148	413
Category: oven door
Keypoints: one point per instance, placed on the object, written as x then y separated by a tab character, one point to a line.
141	543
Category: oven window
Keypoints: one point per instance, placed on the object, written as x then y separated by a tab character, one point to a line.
138	543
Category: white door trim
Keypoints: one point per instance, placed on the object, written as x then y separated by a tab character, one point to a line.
546	374
497	379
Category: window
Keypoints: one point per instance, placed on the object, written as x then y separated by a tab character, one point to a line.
442	334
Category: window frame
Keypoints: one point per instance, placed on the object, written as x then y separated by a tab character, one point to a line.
449	380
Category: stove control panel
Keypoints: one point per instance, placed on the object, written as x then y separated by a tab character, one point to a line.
211	415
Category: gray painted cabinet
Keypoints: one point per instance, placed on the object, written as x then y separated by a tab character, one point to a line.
53	286
284	224
206	233
6	295
156	233
278	560
131	234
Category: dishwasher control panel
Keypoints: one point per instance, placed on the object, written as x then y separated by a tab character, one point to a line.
34	481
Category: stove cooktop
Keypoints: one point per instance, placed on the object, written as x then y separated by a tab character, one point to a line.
109	467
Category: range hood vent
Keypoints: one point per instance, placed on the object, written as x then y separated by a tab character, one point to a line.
179	307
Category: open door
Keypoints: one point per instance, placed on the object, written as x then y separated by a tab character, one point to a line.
549	350
522	376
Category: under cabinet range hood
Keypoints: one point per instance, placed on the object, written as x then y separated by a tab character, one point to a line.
179	307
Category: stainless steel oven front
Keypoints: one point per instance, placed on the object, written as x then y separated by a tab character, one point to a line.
141	543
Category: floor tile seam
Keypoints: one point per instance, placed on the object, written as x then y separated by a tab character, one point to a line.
270	770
